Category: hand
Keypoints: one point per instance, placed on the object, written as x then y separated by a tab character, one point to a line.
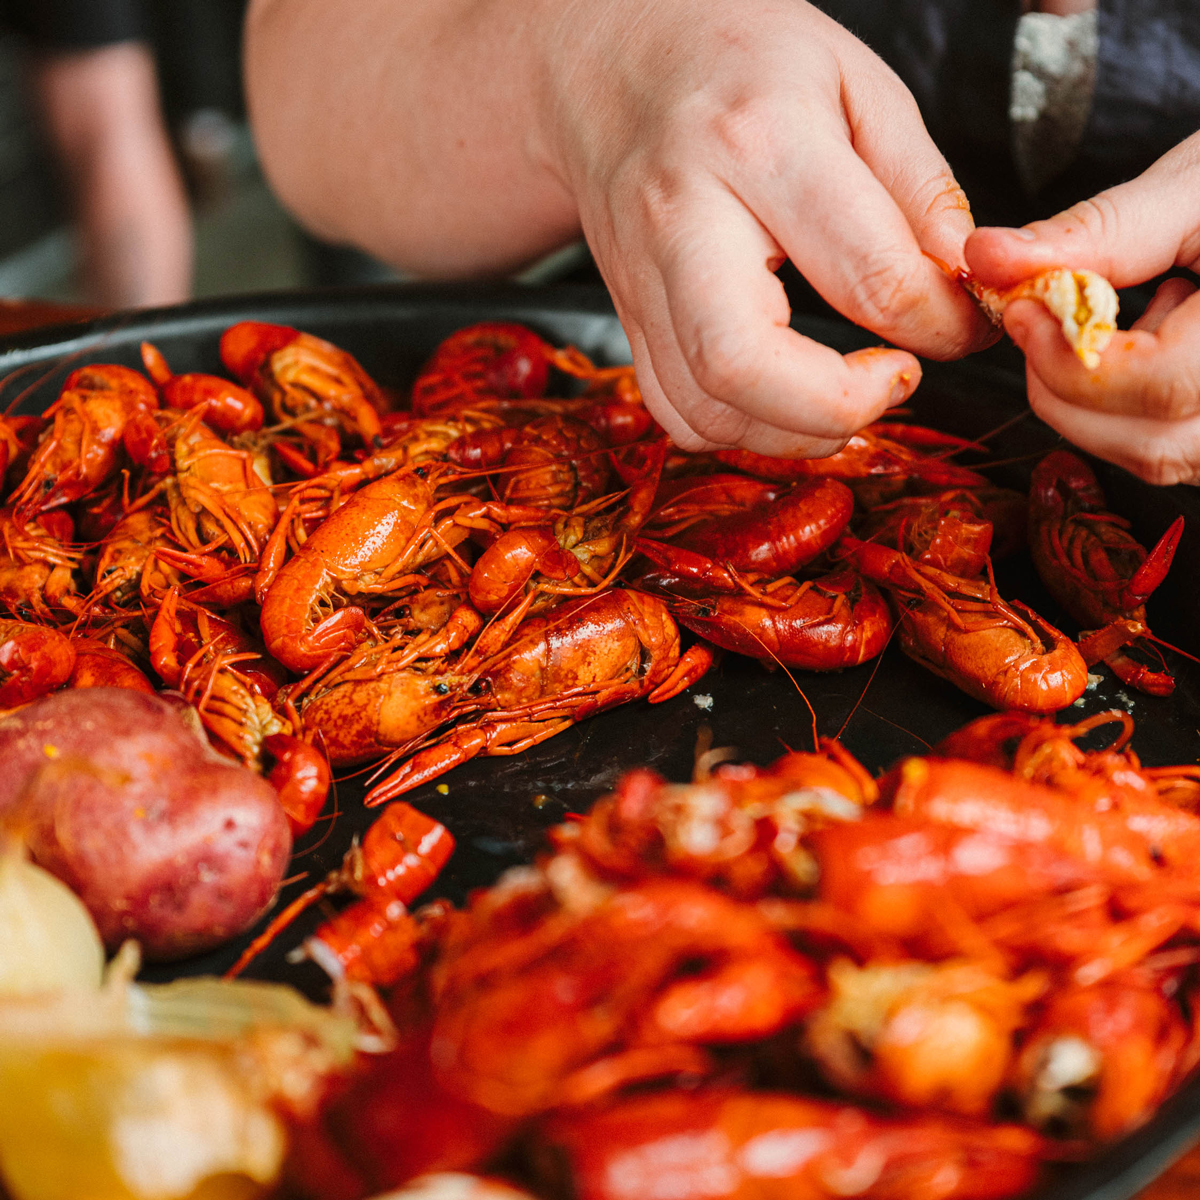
703	144
1141	407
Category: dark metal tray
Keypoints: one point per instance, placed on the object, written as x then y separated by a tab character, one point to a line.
498	808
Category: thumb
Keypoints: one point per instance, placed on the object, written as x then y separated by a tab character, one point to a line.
1129	233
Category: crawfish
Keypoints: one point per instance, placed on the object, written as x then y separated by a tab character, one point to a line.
37	566
97	664
1129	839
81	450
553	461
1100	1059
127	568
582	551
1094	567
834	621
623	985
303	377
231	684
772	534
740	828
371	546
965	632
894	886
878	463
374	939
587	655
34	660
920	1034
219	496
1042	751
954	530
491	360
227	407
18	437
723	1144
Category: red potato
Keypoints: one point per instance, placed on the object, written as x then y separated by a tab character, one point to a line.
118	794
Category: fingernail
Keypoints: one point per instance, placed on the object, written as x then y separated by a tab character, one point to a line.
902	388
1026	235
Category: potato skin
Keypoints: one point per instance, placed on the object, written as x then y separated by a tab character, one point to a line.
117	794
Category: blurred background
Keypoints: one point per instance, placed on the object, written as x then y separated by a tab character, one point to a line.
127	170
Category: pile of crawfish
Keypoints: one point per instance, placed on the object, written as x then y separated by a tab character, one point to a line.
795	981
330	581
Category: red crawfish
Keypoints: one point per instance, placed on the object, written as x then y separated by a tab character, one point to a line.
227	407
370	546
491	360
1094	567
725	1144
965	632
955	530
573	553
627	986
39	568
301	377
879	463
587	655
754	527
98	407
374	940
554	461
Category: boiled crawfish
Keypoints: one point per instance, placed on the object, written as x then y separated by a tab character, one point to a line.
1094	567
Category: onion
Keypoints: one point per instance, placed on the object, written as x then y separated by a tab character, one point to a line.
159	1091
48	940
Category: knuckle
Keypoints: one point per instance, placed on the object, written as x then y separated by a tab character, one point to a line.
722	364
720	424
1174	397
746	130
1163	466
1098	217
888	286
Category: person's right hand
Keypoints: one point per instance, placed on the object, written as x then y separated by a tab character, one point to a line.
703	143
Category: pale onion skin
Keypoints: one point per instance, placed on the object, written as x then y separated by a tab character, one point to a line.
50	941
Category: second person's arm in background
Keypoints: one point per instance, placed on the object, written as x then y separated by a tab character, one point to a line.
101	109
694	145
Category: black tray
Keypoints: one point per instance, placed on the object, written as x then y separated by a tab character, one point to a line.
498	808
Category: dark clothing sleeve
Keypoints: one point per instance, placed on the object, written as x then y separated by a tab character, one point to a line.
1147	95
65	25
956	58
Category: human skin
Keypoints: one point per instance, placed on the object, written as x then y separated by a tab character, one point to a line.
101	112
1140	408
694	145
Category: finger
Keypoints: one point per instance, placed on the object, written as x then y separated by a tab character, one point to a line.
732	344
1151	373
735	428
890	137
1170	295
1160	452
1129	233
851	241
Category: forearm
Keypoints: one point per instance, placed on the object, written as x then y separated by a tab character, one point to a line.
414	130
101	111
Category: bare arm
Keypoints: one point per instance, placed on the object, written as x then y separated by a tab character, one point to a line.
695	145
102	114
409	129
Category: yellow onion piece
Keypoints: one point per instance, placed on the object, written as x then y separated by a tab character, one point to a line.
48	940
158	1092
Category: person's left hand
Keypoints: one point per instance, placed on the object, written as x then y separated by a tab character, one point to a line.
1140	408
